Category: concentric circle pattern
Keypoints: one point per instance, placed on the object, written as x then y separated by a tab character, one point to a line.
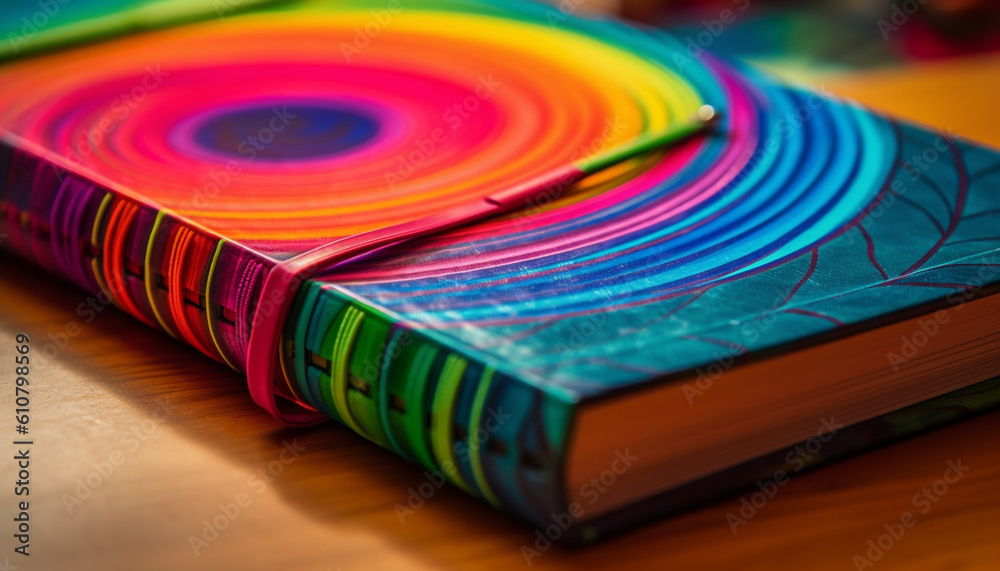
784	171
285	130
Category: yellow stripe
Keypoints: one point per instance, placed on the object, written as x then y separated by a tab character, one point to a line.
208	305
150	286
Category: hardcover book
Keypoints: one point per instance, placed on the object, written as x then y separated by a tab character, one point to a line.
588	275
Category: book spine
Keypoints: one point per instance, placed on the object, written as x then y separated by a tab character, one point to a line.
486	432
167	273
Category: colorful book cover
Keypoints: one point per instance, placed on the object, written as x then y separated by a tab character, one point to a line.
289	191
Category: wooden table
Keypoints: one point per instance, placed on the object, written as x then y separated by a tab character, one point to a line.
139	440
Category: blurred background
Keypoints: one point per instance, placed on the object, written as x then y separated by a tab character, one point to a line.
820	36
934	62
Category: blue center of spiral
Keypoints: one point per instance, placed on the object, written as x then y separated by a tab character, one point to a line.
286	132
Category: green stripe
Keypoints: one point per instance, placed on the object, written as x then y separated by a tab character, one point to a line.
416	397
641	144
338	385
478	406
443	419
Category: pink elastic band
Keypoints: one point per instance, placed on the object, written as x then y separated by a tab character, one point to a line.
282	282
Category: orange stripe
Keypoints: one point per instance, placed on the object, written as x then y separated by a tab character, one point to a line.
122	215
176	286
119	248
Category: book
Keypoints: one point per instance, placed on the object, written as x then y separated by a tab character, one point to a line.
572	266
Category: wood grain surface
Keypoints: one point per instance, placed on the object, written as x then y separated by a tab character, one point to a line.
139	440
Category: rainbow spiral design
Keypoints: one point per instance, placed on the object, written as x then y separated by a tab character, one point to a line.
713	210
335	122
